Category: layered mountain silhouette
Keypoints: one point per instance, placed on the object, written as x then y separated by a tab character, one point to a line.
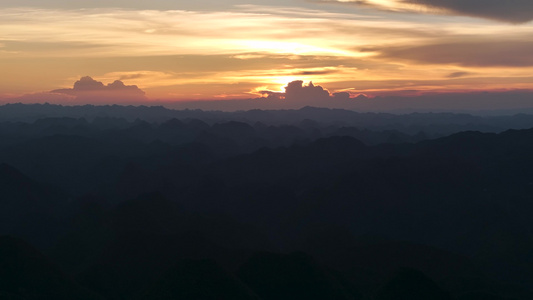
120	202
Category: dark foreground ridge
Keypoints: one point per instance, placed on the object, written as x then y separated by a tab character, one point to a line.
190	208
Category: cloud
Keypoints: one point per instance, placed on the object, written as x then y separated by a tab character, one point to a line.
511	11
472	53
132	76
89	90
321	72
297	92
458	74
105	32
341	95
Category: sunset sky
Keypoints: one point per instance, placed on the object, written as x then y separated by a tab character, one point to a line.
207	49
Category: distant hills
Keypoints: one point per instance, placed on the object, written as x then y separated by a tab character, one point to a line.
412	123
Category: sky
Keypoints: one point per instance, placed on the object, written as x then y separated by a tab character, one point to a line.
113	51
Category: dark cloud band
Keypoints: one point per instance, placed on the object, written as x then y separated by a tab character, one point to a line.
482	53
514	11
511	11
